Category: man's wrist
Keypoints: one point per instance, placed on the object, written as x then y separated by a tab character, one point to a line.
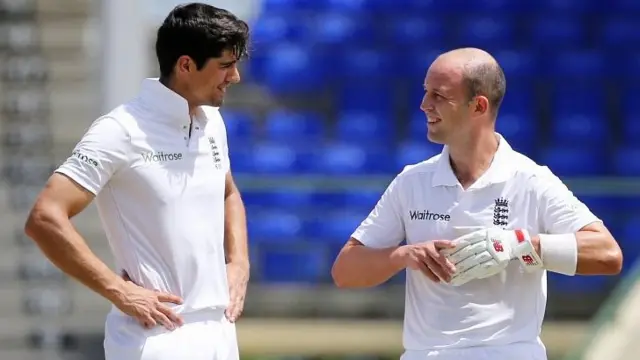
397	257
115	290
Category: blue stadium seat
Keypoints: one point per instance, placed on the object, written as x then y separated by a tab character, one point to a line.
417	130
341	158
293	126
274	158
571	6
550	32
309	264
574	160
363	126
328	200
575	285
290	199
486	31
629	239
269	6
361	200
293	69
580	129
630	66
413	152
604	207
365	63
273	27
619	32
519	130
351	6
577	98
366	96
239	124
519	100
623	6
255	199
241	159
626	161
412	29
578	64
517	64
631	128
275	226
432	6
418	61
335	227
334	28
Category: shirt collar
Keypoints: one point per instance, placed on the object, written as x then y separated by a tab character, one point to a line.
159	98
500	170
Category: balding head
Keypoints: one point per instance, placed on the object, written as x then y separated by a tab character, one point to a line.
481	74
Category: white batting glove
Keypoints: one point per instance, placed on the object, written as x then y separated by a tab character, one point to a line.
487	252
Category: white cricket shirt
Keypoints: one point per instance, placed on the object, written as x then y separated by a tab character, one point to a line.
426	200
160	193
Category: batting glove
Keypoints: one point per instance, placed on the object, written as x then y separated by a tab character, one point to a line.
487	252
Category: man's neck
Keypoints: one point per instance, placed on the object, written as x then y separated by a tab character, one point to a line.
471	159
170	84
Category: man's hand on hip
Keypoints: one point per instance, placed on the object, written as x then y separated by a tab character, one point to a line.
487	252
427	258
147	306
238	277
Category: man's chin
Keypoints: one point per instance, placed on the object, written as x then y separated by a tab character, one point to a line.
434	138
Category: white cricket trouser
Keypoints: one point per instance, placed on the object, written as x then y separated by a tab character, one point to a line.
519	351
205	335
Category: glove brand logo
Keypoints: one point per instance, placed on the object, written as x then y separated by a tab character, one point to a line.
529	260
501	212
497	246
428	215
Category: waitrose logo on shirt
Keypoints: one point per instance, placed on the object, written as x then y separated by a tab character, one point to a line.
161	156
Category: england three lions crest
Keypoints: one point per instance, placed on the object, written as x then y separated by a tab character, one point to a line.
501	212
215	153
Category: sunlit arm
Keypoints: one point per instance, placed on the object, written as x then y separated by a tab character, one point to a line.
598	251
358	266
235	225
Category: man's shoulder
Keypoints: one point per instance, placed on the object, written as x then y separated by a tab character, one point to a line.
527	170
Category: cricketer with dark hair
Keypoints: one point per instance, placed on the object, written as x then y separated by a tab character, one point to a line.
158	168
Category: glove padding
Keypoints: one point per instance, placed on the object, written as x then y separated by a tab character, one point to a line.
487	252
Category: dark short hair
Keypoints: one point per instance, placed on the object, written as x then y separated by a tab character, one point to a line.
201	32
486	79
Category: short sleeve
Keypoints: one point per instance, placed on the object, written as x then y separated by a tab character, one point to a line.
560	211
102	151
225	145
384	226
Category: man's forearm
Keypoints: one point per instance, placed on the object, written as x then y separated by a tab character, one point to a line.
598	253
235	229
57	238
359	266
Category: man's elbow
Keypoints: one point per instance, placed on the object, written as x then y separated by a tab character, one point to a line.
336	273
613	261
38	220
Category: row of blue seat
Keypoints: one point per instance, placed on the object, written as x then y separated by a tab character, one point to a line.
290	67
351	159
574	7
577	128
414	28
